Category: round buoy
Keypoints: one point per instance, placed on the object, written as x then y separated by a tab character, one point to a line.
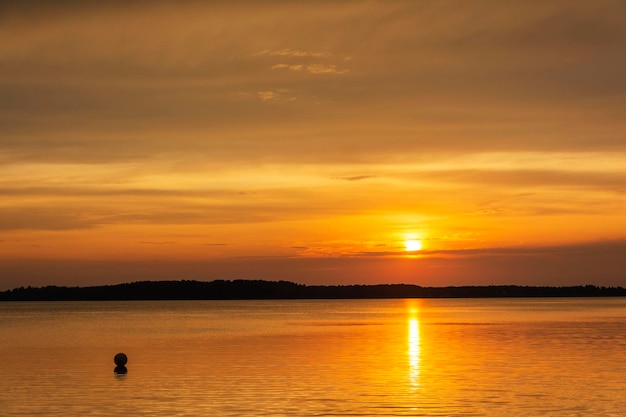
120	359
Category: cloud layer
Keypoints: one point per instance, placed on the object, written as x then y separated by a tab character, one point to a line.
263	128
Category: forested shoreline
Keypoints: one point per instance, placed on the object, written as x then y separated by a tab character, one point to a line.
259	290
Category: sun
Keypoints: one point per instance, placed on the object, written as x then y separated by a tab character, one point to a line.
412	245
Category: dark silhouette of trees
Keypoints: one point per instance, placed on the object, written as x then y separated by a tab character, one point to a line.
258	290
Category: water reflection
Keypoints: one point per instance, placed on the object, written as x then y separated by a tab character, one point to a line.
462	357
414	349
119	376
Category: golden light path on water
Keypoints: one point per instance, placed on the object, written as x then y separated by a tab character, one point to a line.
414	348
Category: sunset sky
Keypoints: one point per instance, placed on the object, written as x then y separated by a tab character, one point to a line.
309	140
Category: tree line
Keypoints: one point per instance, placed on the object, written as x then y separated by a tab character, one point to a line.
259	290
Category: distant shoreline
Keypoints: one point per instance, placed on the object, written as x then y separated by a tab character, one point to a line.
277	290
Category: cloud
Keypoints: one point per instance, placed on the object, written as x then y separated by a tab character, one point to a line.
158	243
312	68
356	178
309	67
566	250
48	218
597	263
293	53
586	249
325	69
450	83
276	96
287	66
464	110
531	178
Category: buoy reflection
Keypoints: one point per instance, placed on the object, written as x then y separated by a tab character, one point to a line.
414	352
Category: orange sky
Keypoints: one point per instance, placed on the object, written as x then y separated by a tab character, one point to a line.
307	141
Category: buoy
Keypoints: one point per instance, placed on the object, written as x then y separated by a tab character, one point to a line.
120	360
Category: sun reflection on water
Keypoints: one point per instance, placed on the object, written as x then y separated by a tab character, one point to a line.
414	349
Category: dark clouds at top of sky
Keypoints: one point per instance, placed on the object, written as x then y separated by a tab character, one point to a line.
509	75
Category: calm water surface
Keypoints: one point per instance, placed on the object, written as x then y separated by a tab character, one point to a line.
493	357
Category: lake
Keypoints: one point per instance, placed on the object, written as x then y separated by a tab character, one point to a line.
433	357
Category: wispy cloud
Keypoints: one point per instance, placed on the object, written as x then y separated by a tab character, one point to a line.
277	95
312	68
158	243
356	178
293	53
565	250
520	178
288	66
50	218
